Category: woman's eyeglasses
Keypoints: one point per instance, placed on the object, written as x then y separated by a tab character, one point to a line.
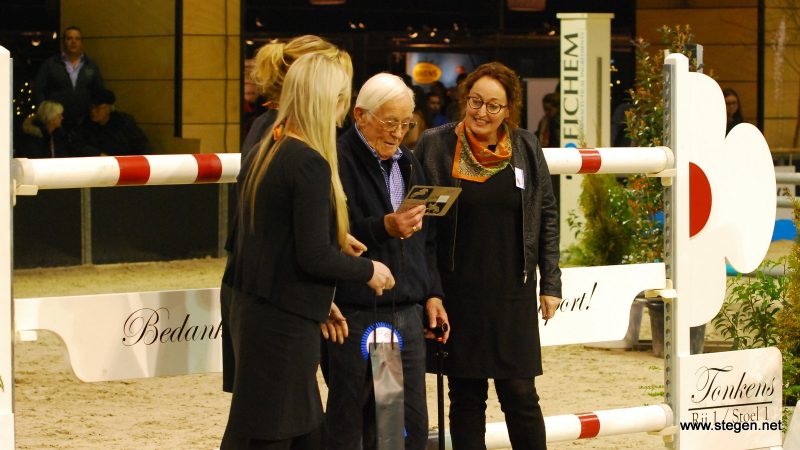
391	124
491	107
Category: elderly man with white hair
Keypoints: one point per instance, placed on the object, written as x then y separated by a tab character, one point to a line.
376	172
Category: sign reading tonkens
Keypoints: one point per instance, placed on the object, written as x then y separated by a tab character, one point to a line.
732	397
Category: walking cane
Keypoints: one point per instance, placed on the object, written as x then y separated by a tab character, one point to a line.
440	356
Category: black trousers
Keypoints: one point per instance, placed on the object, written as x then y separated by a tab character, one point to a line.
518	400
350	414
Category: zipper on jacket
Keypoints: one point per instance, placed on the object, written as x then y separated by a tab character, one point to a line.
522	205
455	230
524	254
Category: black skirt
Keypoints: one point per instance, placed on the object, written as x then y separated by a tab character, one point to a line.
275	392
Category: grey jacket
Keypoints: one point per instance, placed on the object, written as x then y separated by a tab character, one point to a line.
435	150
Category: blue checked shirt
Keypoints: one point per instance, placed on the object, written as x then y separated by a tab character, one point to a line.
393	178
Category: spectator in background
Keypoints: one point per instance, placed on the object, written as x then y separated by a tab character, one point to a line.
548	129
110	132
455	110
252	107
42	135
619	125
732	108
69	78
434	104
410	140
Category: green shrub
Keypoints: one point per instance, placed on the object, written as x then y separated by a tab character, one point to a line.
748	315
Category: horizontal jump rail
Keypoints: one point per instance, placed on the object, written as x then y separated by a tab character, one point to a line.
570	427
31	175
620	160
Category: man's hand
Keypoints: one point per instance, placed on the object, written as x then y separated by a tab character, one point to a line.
403	224
437	318
549	305
335	329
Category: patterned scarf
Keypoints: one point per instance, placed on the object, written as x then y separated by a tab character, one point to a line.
473	161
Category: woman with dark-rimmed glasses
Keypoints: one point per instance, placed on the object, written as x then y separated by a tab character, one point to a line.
503	228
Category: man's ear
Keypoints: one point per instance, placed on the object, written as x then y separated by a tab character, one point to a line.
359	114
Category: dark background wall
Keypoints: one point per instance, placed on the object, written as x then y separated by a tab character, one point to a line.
172	222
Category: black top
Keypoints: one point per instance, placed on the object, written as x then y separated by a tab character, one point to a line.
119	136
490	245
493	314
290	256
412	260
257	130
53	83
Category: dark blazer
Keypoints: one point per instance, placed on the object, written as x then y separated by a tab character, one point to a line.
435	151
290	257
412	260
257	131
120	136
53	83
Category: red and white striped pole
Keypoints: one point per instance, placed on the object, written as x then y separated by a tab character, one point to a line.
31	175
103	171
564	161
571	427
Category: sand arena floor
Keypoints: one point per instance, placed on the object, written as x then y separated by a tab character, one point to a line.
56	410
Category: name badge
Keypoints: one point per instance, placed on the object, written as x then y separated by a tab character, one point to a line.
519	175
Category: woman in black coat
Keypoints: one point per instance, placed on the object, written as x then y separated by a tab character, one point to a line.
291	246
269	70
43	136
503	227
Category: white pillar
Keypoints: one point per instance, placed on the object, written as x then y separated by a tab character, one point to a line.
6	312
676	220
585	96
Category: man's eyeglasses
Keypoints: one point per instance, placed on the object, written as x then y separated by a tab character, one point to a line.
391	124
491	107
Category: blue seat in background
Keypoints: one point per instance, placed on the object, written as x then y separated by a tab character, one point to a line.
784	230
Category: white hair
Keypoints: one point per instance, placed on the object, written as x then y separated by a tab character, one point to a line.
382	88
48	110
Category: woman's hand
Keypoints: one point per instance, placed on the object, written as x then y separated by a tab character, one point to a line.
381	278
549	305
335	329
437	318
353	246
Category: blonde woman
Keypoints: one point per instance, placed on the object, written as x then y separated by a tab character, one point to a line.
292	246
271	64
272	61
